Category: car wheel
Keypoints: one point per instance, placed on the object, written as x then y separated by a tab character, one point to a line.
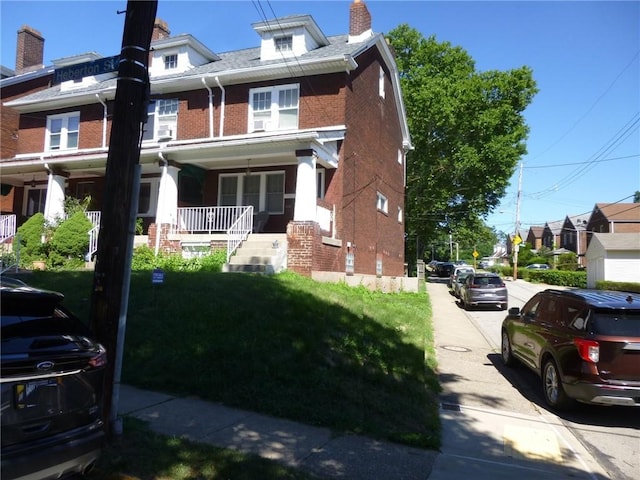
507	356
554	394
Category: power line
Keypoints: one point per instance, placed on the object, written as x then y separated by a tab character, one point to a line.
582	163
562	137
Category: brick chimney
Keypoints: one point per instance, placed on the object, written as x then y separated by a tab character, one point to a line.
359	21
160	30
29	50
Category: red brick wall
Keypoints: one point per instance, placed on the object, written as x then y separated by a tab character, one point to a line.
369	162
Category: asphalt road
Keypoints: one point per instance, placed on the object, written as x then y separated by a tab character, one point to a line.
610	434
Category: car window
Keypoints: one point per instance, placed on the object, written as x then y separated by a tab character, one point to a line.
624	323
575	314
551	311
530	309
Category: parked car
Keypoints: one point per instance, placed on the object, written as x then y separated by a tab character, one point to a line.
538	266
444	269
457	270
584	344
484	289
457	283
51	377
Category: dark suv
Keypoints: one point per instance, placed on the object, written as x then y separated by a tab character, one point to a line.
584	344
51	375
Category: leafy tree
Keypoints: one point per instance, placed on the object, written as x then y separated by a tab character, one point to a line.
468	131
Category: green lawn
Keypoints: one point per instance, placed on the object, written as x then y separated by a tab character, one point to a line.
322	354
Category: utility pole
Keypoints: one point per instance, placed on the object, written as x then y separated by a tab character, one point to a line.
115	240
516	246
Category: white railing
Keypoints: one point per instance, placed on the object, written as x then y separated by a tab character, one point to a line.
239	231
208	219
7	227
94	218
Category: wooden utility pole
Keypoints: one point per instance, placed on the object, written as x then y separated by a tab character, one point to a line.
115	240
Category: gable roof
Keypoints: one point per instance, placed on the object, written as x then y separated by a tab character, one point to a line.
555	227
619	212
618	241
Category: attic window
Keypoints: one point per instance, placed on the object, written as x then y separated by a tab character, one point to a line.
170	61
284	44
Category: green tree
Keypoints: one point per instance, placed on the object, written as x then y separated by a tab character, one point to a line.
468	131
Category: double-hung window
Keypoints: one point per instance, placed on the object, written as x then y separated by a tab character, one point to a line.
274	108
162	120
62	131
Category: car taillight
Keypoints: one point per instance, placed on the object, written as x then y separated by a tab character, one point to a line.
99	360
589	350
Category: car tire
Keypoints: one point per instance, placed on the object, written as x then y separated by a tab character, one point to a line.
505	350
554	393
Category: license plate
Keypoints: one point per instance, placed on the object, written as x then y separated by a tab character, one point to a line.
35	393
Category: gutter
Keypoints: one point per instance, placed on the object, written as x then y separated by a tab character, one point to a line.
104	121
222	105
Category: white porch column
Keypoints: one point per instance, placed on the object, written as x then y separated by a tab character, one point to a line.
306	186
167	209
54	202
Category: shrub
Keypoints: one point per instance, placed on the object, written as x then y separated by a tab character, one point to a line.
30	239
619	286
144	258
70	239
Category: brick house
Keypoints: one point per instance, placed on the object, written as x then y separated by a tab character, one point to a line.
305	135
534	237
574	236
614	218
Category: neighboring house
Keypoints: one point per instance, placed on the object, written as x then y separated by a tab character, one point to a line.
29	76
551	237
614	218
534	237
308	129
574	236
614	257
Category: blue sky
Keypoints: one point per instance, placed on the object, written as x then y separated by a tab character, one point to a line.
584	141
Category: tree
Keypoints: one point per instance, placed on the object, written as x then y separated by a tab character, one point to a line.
468	131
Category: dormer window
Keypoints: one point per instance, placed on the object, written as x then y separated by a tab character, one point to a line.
284	44
170	61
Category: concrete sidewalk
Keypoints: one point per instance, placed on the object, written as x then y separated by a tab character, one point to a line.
487	431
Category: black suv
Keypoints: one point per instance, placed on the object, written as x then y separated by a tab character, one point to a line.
51	375
584	344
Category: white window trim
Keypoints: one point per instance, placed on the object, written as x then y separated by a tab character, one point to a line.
321	176
165	56
154	192
381	91
382	204
63	133
263	189
274	118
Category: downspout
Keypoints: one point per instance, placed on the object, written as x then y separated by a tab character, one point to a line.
160	192
222	102
104	121
204	82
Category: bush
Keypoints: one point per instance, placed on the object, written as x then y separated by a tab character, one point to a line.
70	239
29	242
144	258
618	286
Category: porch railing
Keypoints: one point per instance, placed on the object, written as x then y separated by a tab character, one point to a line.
209	219
7	227
239	231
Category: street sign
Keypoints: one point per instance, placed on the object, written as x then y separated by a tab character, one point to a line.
87	69
475	254
517	240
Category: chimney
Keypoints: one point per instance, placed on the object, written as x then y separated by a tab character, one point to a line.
359	21
29	50
160	30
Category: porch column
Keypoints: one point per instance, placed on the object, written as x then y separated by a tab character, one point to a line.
54	202
167	209
306	185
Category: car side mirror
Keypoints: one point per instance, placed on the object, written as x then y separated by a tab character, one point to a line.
514	311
